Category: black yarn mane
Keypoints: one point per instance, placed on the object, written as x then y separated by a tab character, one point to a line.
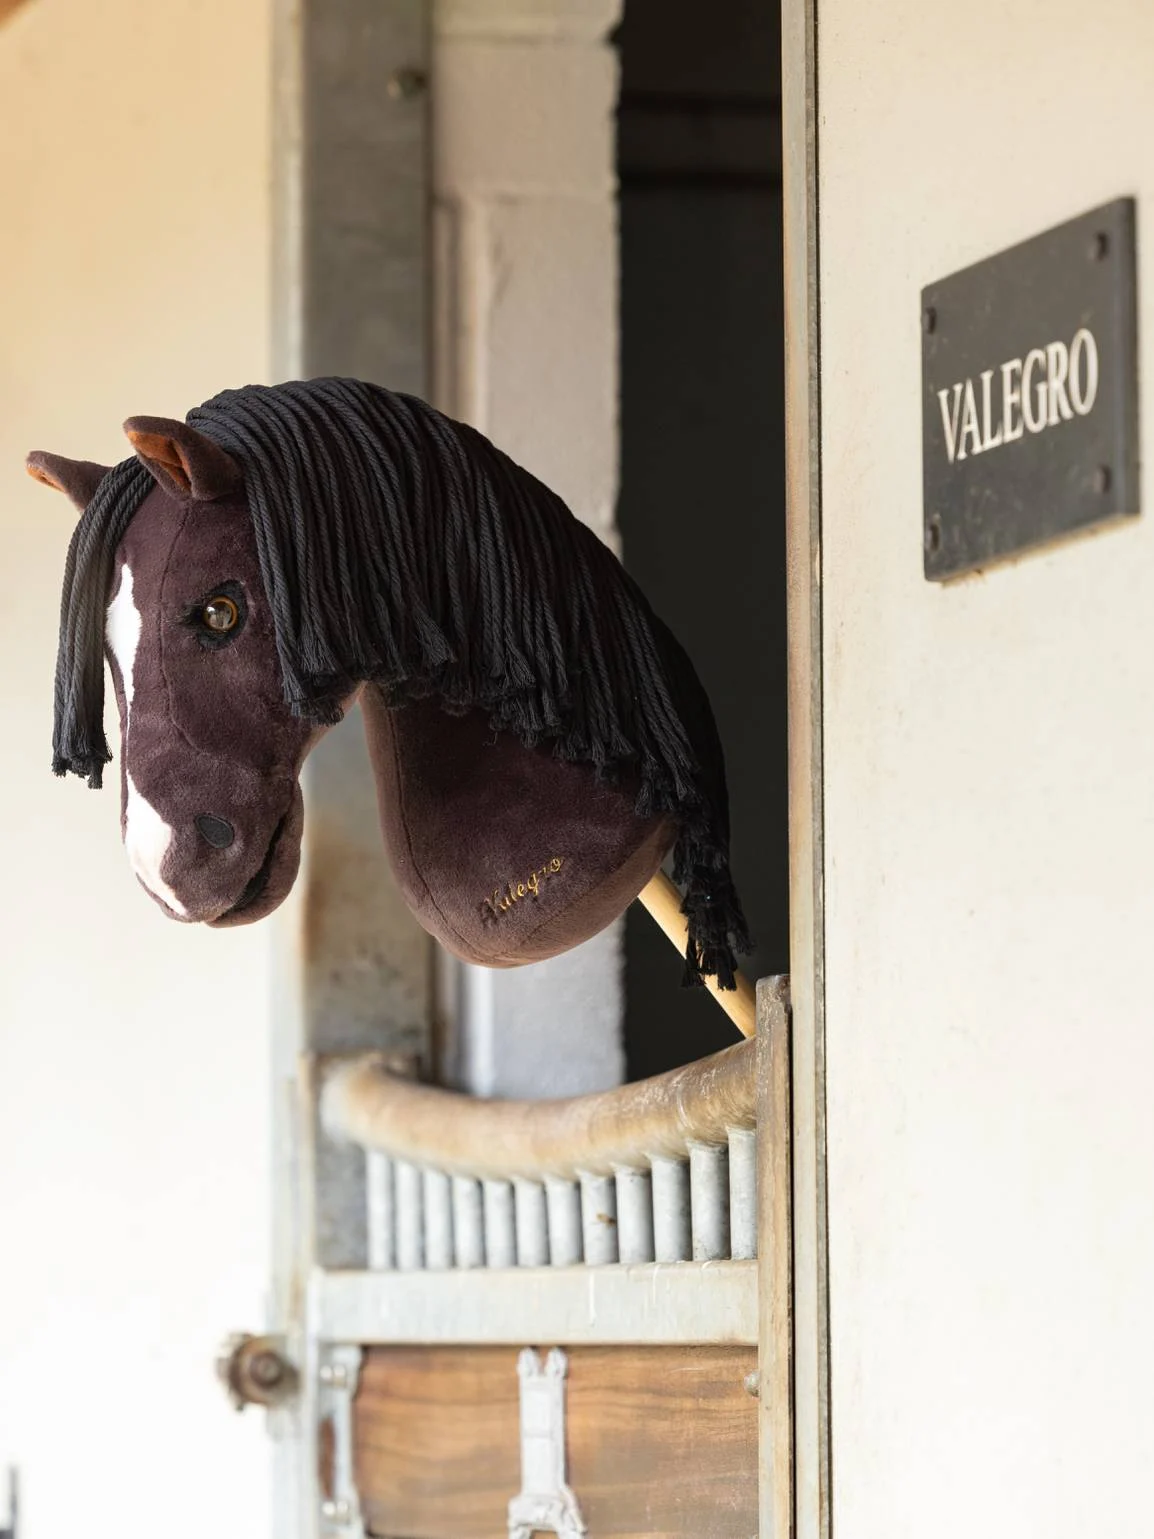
399	547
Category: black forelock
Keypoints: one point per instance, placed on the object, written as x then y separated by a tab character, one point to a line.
79	746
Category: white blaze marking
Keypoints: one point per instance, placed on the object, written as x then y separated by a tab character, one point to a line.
122	626
147	836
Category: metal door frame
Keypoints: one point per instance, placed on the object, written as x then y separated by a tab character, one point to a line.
387	268
811	1516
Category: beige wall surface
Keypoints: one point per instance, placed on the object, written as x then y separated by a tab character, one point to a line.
989	823
133	1052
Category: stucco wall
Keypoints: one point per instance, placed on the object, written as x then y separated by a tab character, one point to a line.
989	751
133	1077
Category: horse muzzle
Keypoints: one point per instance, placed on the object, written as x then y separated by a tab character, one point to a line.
222	867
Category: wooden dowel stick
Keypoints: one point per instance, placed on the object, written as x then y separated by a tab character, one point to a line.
663	901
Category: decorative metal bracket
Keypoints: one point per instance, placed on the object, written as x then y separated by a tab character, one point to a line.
339	1371
545	1504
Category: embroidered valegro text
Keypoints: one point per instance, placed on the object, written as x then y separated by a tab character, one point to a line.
501	900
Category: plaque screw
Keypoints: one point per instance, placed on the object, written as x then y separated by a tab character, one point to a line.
934	533
404	84
1100	247
1102	479
929	320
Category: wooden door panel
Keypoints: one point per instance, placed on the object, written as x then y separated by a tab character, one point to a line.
662	1441
436	1440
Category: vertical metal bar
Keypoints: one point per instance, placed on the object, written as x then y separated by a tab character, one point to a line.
634	1217
563	1199
709	1201
500	1224
742	1193
381	1216
11	1530
778	1471
410	1218
532	1223
438	1221
599	1219
809	1470
468	1222
671	1236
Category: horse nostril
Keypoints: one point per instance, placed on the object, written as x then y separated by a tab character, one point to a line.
218	833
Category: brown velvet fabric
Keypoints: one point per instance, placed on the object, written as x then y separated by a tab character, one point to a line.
505	854
77	479
183	461
208	730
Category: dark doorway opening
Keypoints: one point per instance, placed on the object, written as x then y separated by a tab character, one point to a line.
702	505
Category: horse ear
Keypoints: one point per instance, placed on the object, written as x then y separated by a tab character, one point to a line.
77	479
183	461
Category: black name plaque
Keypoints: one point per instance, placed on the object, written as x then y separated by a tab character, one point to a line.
1030	393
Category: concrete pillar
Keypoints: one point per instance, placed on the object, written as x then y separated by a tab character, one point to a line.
525	348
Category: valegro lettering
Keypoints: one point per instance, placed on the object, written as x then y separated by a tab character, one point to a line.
1049	385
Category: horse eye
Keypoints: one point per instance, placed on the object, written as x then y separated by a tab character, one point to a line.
220	613
217	619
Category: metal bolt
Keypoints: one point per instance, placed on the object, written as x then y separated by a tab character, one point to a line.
929	320
752	1382
266	1369
404	84
336	1512
335	1374
1102	479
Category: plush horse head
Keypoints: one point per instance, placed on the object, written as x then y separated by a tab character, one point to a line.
539	739
211	807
